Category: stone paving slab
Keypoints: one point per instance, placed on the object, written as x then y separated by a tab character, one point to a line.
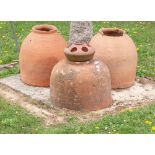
13	89
40	94
138	92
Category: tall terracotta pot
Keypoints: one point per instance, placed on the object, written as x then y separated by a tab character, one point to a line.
80	82
118	51
40	51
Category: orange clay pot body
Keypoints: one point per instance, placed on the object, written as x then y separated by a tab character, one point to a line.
84	86
119	53
40	51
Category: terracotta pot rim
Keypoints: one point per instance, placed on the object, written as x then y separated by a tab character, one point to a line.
112	32
44	29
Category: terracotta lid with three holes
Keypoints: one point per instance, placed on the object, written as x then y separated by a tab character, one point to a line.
79	52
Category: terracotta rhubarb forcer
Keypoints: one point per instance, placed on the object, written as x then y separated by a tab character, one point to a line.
80	82
40	51
118	51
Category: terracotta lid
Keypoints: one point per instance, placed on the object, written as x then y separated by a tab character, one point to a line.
79	52
113	32
45	28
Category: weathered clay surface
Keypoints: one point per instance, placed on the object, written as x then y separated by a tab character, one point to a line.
81	86
33	100
40	51
117	50
81	82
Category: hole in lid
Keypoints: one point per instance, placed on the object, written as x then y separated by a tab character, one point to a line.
112	32
73	49
84	49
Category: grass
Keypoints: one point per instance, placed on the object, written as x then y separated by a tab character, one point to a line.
143	34
14	119
8	72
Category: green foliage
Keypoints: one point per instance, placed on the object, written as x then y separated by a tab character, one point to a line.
130	121
143	34
8	72
14	119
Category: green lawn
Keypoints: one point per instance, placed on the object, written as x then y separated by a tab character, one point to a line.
143	34
14	119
